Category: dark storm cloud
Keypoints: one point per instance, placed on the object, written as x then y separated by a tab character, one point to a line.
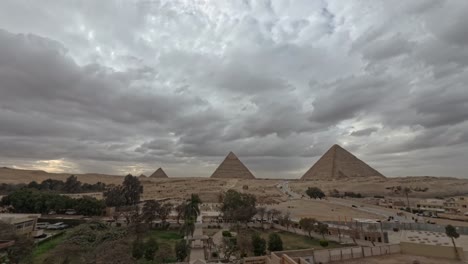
127	86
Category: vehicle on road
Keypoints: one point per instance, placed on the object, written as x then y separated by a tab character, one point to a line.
57	226
42	225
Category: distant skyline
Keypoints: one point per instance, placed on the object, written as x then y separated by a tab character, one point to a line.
121	87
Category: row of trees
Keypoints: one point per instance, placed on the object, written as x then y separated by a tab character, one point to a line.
34	201
70	185
243	244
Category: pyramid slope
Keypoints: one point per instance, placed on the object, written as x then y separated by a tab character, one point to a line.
159	173
338	163
232	167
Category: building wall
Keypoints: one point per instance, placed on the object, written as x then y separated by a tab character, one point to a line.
25	224
430	250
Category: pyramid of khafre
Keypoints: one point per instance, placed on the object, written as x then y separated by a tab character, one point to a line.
232	167
159	173
338	163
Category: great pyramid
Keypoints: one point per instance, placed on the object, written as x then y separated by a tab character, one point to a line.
159	173
338	163
232	167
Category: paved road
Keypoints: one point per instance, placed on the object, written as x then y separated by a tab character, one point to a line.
373	210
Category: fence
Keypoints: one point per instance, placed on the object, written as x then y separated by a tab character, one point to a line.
343	254
463	230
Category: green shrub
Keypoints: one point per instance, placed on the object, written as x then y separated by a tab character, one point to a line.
151	246
227	234
138	249
323	243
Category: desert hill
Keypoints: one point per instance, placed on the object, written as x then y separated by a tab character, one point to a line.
231	168
266	190
338	163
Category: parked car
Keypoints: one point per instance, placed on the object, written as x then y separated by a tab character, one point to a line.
70	212
42	225
57	226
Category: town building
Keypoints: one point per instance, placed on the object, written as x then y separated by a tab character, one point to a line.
431	206
25	224
456	205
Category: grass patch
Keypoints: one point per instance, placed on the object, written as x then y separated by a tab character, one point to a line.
44	247
293	241
170	237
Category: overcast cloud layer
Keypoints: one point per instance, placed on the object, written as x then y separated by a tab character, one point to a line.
129	86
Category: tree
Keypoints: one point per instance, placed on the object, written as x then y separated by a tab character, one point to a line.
275	214
191	212
285	220
72	185
164	211
131	190
180	209
138	249
229	247
407	191
244	243
149	211
181	249
451	232
259	245
261	211
192	207
114	197
314	192
164	253
322	229
274	242
308	225
238	206
151	246
89	206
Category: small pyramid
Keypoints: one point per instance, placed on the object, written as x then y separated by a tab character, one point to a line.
232	167
159	173
142	176
338	163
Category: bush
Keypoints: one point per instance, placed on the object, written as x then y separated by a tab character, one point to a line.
227	234
182	250
314	192
274	242
214	254
151	246
323	243
138	249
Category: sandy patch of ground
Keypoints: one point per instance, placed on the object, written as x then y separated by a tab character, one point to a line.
321	210
400	259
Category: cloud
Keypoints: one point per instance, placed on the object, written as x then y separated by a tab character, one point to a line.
121	86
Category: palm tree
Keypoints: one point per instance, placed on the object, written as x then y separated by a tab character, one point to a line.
407	191
180	209
191	212
451	232
192	207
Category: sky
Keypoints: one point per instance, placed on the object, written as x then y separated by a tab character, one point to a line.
128	86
